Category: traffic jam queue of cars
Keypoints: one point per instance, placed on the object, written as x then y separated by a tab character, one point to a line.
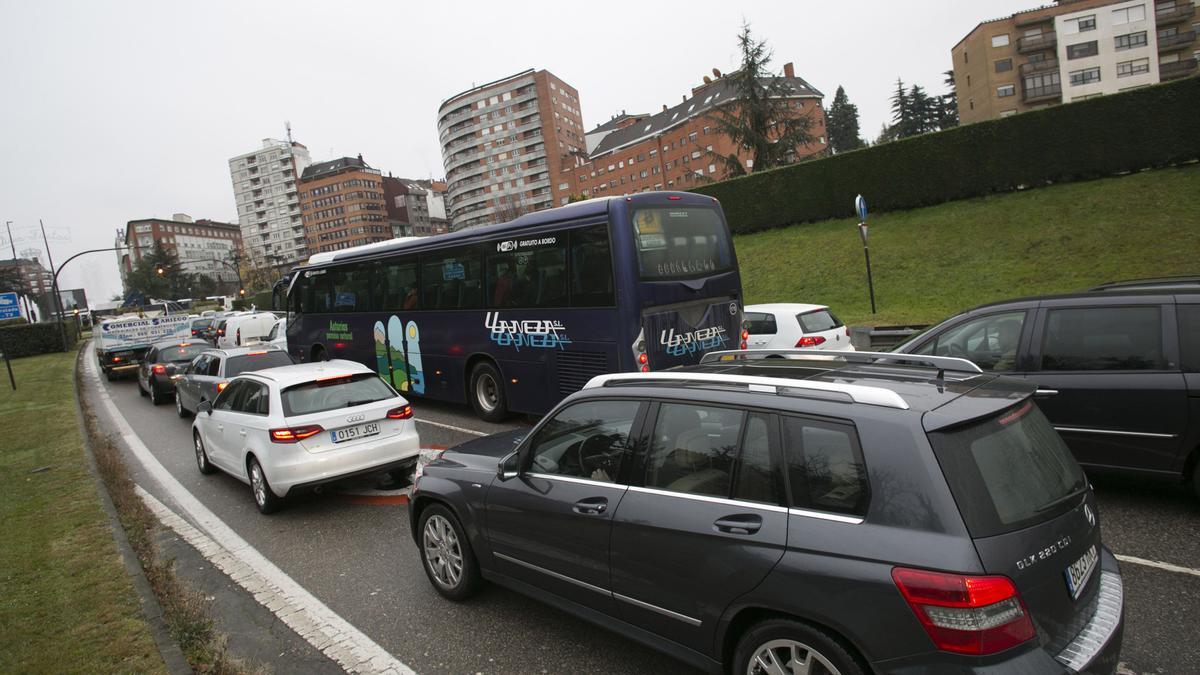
740	511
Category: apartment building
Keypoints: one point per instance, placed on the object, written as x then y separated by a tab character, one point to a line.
35	279
206	247
1070	51
677	148
268	203
342	205
502	141
414	208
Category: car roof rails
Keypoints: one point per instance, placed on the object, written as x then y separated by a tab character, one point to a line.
857	393
941	363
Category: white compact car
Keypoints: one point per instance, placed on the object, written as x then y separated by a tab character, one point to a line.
277	336
795	326
246	329
289	429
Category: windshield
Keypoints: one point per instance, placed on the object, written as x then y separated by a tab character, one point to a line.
343	392
1008	472
256	361
818	320
681	242
180	353
201	324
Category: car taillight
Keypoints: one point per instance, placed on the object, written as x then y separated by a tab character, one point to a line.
116	359
239	336
966	614
159	369
810	341
402	413
195	332
293	434
221	386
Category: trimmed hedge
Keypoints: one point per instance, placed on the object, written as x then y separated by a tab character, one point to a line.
1151	127
32	339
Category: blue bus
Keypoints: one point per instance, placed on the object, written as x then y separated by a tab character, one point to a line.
515	316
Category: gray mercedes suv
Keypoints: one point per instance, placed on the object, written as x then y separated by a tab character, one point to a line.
787	512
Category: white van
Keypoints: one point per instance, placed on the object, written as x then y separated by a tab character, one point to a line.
246	329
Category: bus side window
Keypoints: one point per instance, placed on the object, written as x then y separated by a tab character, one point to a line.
591	268
402	289
533	277
452	279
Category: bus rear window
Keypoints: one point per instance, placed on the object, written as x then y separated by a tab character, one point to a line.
681	242
1009	471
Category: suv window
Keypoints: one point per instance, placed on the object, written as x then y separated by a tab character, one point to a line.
1189	337
825	466
1103	338
199	366
989	341
584	440
818	321
214	366
759	323
693	449
757	476
1007	471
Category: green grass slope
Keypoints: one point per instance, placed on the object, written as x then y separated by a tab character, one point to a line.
933	262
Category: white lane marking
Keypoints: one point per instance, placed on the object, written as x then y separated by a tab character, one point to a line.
309	617
451	427
1157	565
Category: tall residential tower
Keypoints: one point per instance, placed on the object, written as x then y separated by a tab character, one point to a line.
268	203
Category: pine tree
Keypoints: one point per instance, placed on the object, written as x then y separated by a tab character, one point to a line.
759	122
949	111
842	123
901	112
921	114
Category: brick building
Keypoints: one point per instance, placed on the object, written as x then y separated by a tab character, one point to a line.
34	279
674	149
206	247
1070	51
342	205
503	141
415	207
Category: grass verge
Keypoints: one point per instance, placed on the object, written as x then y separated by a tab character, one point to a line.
933	262
66	603
184	609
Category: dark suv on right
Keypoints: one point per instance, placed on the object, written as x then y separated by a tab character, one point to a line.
837	513
1117	369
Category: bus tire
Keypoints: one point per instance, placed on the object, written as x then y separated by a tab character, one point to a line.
318	354
486	393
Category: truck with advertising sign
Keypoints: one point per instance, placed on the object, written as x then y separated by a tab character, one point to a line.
122	341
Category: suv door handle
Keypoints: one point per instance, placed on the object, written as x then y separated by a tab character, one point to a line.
743	523
592	506
1045	393
242	432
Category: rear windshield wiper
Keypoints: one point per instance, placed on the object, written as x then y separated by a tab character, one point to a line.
1063	499
351	404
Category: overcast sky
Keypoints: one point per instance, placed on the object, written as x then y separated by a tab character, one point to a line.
111	112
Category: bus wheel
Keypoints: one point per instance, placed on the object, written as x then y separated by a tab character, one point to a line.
319	354
487	393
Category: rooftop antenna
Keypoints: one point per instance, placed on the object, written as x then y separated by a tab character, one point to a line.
288	126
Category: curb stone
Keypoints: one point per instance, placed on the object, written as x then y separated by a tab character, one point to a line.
172	655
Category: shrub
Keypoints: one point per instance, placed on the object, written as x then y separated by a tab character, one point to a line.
36	338
1145	128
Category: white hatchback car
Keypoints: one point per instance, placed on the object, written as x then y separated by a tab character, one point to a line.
288	429
795	326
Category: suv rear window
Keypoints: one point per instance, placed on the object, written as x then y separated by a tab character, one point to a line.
248	362
818	320
343	392
1009	471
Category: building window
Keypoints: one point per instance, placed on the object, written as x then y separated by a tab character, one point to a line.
1130	41
1042	85
1083	49
1005	91
1085	76
1007	113
1003	65
1129	14
1080	25
1134	67
1000	40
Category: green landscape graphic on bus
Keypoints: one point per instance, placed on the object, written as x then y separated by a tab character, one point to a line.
398	354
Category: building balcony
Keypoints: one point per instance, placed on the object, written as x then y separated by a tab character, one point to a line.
1178	41
1178	12
1038	94
1023	22
1036	43
1180	68
1043	66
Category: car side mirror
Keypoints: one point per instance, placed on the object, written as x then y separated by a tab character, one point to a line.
509	467
204	407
